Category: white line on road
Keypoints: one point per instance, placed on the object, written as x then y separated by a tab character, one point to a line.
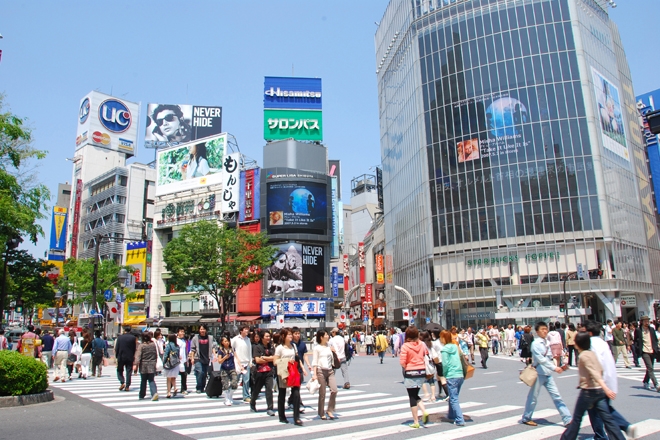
494	410
492	372
483	388
543	432
566	376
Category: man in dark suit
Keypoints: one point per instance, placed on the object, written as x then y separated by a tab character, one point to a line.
125	347
647	347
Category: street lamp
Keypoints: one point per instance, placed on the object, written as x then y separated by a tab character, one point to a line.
278	301
410	300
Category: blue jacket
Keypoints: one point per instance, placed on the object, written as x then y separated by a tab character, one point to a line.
542	357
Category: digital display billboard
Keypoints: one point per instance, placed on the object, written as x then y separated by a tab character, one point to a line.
297	268
174	124
107	122
297	204
191	165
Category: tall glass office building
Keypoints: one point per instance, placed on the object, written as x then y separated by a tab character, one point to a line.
512	156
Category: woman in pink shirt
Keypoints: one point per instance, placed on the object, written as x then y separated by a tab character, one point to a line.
414	374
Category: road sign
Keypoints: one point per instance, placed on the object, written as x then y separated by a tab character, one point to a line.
580	271
412	321
428	320
107	295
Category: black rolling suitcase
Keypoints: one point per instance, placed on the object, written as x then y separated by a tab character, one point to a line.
214	385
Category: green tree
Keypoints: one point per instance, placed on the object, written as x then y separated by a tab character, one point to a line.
27	280
22	198
206	257
79	280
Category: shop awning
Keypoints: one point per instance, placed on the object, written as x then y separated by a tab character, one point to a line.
246	318
178	297
180	320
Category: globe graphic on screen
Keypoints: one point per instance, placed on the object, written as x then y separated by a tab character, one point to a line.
503	114
302	201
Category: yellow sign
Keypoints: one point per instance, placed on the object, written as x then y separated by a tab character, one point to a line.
134	311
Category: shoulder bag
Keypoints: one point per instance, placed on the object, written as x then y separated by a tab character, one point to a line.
336	364
159	360
528	375
468	370
429	365
76	349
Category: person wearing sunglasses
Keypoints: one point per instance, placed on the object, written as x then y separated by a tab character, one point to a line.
170	125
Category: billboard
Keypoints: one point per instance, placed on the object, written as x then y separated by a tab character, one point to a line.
191	165
135	311
76	219
292	93
297	204
609	115
301	125
107	122
294	307
231	177
297	268
57	228
250	195
651	141
334	247
174	124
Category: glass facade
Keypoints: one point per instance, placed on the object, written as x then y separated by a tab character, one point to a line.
508	157
506	129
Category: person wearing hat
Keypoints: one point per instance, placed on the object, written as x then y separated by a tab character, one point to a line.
647	345
481	339
338	345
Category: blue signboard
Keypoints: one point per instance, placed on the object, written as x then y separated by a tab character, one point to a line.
107	295
334	281
651	101
58	229
292	93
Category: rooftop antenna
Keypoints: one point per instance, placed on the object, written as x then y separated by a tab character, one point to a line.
292	74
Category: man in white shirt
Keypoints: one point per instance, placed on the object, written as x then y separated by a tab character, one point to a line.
609	337
337	342
369	342
509	340
602	351
243	351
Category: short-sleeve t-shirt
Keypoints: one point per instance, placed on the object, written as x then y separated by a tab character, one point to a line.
283	352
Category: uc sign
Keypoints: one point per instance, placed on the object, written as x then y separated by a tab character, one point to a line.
114	115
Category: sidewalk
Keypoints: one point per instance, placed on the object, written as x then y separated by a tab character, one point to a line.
70	416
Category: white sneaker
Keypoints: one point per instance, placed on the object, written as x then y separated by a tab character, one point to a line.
228	402
631	432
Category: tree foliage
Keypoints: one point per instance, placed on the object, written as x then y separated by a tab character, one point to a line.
217	260
79	278
22	198
27	280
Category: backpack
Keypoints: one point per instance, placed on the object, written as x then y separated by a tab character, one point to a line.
523	343
97	352
348	350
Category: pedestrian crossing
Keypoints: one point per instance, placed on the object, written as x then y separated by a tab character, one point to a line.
361	415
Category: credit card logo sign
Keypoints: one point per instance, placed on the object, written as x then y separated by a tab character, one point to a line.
114	115
101	138
83	113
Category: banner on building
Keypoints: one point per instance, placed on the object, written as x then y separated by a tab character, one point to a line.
58	229
297	268
191	165
380	270
76	219
173	124
231	187
610	116
294	307
250	195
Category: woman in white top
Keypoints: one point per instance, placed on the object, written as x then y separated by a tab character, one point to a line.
198	164
323	372
286	350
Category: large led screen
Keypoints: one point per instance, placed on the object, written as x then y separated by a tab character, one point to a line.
297	268
297	204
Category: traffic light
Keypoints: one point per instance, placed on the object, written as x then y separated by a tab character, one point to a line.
142	286
562	307
19	306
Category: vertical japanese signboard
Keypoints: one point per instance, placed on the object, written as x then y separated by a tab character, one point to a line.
380	272
334	281
76	219
230	182
249	195
334	246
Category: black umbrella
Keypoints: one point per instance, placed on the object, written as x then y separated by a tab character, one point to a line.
433	327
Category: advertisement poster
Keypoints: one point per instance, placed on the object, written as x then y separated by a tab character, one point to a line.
610	116
174	124
250	195
301	125
57	228
297	268
380	269
107	122
503	117
191	165
302	204
231	177
136	258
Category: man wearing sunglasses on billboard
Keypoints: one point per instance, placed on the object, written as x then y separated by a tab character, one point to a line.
170	125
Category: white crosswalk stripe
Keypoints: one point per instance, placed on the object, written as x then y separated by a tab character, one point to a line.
361	415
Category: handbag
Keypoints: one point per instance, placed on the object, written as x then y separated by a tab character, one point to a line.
313	386
106	362
429	365
293	380
76	349
528	375
468	370
159	363
336	364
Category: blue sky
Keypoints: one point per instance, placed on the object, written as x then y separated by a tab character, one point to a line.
217	53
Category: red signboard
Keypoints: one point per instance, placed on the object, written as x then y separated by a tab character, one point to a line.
380	272
248	298
76	219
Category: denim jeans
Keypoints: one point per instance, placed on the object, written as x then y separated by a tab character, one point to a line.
454	385
246	382
147	378
597	423
495	346
200	373
532	398
592	399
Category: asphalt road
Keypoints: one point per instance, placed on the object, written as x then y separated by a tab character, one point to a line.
376	406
